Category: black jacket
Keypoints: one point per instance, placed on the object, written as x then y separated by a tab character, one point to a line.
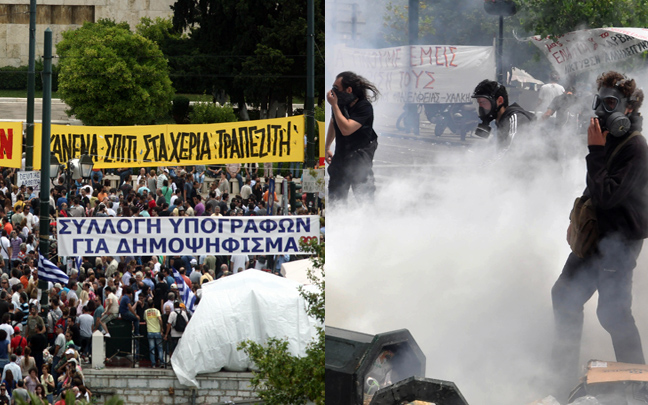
507	124
620	194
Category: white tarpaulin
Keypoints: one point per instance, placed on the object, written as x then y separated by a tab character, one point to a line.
421	73
522	76
297	270
590	49
184	235
250	305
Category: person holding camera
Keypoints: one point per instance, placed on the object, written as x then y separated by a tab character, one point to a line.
617	180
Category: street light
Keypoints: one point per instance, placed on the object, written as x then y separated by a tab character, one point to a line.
86	165
54	167
78	167
501	8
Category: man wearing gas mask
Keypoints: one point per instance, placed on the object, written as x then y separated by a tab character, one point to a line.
617	184
492	100
351	126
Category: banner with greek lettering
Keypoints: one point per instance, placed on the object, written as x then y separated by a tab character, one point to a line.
427	74
29	179
11	144
272	140
591	49
184	235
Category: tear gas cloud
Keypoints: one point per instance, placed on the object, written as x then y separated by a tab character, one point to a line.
462	249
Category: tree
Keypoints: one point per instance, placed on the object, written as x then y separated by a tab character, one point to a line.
464	22
241	46
285	379
548	17
111	76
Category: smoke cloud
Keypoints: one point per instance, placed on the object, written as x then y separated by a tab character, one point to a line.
462	248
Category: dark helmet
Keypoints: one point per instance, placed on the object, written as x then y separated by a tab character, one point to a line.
490	90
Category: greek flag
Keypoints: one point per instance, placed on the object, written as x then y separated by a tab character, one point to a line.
188	297
48	271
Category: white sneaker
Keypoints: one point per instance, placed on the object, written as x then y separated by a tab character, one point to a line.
107	334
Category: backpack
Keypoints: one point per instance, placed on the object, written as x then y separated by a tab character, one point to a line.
180	323
583	234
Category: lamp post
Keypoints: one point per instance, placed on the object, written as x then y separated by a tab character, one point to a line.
78	168
501	8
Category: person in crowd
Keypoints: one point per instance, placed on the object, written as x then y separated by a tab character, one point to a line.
351	127
617	175
493	101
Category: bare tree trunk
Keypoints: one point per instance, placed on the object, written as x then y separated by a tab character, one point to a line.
274	109
243	113
281	109
264	109
219	96
289	105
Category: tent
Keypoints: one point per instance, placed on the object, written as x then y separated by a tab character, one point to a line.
297	270
250	305
523	77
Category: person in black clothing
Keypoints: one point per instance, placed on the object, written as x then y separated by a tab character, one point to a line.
617	188
493	102
351	127
38	343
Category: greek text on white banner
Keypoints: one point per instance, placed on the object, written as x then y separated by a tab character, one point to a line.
429	74
184	235
591	49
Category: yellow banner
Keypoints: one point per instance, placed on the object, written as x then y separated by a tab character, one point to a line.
322	138
273	140
11	144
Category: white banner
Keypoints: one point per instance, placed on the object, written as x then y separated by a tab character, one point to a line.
31	178
184	235
590	49
313	184
429	74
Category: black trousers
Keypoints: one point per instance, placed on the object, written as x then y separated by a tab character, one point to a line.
352	170
610	272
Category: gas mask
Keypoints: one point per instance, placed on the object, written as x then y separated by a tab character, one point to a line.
610	106
344	98
486	115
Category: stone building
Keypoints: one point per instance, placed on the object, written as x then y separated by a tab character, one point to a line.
61	15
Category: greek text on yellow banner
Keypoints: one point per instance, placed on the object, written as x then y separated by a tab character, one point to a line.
272	140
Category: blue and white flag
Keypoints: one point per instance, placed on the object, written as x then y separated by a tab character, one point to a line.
48	271
188	296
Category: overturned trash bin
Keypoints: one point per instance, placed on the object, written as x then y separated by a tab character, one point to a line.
421	390
358	365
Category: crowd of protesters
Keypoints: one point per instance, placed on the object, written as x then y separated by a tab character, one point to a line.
45	341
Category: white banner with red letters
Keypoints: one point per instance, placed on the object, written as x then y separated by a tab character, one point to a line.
429	74
584	50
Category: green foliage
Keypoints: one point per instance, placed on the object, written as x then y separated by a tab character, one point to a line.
111	76
548	17
16	78
209	113
159	31
464	22
261	74
236	46
320	113
285	379
13	78
443	22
